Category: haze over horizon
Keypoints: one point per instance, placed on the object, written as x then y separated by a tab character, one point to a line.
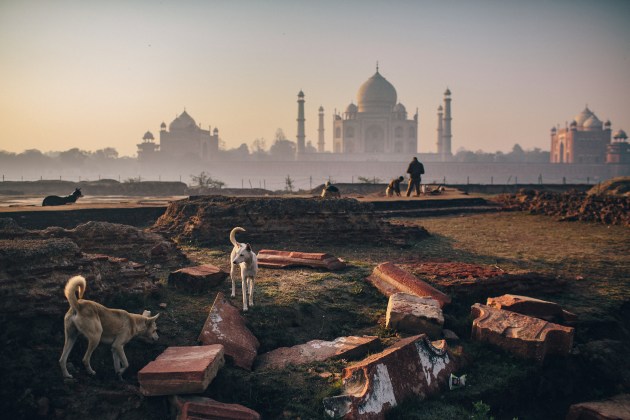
93	74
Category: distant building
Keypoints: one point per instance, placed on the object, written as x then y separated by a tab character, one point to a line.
183	139
618	151
584	140
377	124
444	135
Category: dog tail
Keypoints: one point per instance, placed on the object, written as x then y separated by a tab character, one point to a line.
233	235
74	284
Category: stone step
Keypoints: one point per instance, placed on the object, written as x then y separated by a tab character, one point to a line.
181	370
352	347
388	278
226	326
274	258
525	336
413	367
199	278
202	408
414	315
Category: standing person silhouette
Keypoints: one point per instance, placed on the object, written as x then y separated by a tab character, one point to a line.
415	171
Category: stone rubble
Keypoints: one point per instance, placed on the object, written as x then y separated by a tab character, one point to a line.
197	279
414	315
226	326
413	367
549	311
352	347
281	259
202	408
525	336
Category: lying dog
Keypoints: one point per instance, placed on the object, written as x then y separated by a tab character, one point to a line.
243	255
100	324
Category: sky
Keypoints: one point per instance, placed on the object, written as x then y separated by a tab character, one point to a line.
95	74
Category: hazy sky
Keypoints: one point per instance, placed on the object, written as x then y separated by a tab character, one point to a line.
95	74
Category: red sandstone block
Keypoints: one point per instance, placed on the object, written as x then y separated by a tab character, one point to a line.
198	278
317	350
414	315
413	367
390	279
549	311
193	408
615	408
282	259
226	326
523	335
181	370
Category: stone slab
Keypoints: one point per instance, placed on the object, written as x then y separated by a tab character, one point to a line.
549	311
413	367
389	279
282	259
414	315
226	326
615	408
199	278
352	347
523	335
181	370
198	408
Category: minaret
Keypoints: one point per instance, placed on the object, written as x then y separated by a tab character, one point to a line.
446	144
440	132
300	128
320	131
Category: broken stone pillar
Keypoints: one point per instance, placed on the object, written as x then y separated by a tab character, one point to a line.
413	367
525	336
388	278
197	279
549	311
281	259
316	351
201	408
225	325
615	408
414	315
181	370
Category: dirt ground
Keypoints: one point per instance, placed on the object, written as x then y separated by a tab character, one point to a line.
300	304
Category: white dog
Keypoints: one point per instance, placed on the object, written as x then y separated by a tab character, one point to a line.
243	255
100	324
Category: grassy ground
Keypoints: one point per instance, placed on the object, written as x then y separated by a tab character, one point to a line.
297	305
300	304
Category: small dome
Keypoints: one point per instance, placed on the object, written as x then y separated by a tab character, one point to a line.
148	136
573	123
400	108
183	122
300	94
163	125
620	135
321	108
447	92
215	131
607	124
440	108
376	94
352	109
583	116
553	129
593	123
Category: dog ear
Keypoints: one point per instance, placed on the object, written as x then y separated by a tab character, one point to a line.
154	318
146	313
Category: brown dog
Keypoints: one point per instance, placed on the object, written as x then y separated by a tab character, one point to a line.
100	324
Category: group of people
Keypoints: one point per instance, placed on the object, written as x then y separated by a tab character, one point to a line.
415	171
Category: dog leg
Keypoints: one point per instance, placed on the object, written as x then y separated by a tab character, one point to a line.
71	333
244	286
119	351
116	360
250	284
92	344
233	280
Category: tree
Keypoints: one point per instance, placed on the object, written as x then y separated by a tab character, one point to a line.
106	153
205	180
366	180
280	135
73	156
259	145
283	149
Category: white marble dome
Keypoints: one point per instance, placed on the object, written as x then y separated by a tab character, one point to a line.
376	95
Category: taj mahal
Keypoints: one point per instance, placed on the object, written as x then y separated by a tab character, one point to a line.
377	127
